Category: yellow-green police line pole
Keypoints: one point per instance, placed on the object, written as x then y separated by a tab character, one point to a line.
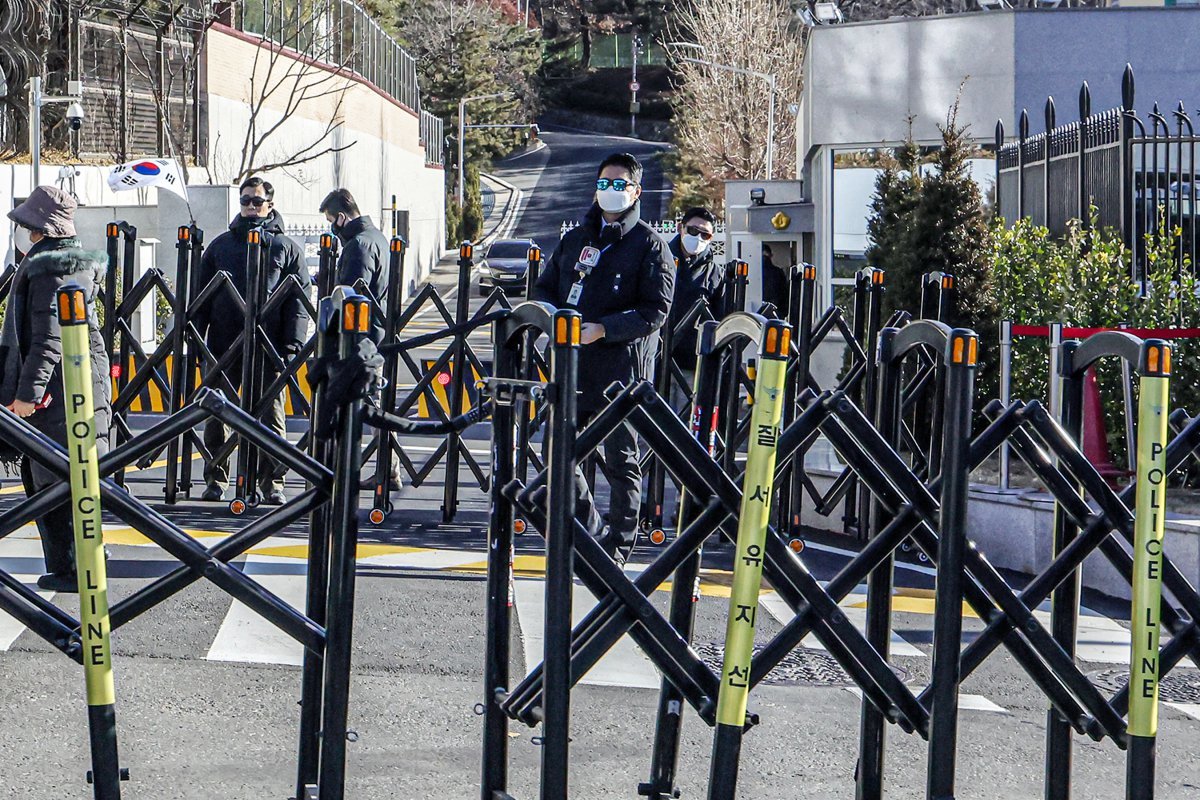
94	624
748	561
1148	518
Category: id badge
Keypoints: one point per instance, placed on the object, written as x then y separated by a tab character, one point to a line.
576	292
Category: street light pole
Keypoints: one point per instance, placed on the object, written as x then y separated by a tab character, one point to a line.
462	111
769	77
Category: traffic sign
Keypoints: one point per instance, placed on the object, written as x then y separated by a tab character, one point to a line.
634	86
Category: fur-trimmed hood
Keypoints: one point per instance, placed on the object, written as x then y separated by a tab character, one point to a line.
68	258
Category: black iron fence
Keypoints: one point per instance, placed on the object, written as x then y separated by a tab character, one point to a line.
1138	172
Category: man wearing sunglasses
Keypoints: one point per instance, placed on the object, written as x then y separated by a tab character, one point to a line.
696	276
617	273
220	320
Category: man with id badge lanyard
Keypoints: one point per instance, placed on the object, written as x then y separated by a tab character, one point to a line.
618	274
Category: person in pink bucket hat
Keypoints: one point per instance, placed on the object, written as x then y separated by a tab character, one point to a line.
31	383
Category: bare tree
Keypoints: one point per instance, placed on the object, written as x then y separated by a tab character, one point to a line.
721	117
302	62
168	61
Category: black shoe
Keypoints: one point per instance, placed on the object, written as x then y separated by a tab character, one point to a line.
617	546
213	494
274	497
65	582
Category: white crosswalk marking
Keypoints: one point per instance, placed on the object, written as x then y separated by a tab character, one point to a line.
966	702
1191	709
1098	638
623	665
244	636
22	558
782	613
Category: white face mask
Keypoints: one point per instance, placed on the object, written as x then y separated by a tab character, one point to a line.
22	240
613	201
694	244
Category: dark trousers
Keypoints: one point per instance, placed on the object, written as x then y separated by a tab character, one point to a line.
216	471
624	476
57	527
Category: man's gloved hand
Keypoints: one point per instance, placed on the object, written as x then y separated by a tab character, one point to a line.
342	381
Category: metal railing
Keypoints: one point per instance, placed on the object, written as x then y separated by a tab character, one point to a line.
340	33
1138	171
433	138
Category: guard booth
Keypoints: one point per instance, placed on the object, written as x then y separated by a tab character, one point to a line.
771	225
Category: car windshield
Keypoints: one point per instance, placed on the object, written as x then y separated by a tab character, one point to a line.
508	250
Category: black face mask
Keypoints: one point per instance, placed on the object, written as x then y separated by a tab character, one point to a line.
338	230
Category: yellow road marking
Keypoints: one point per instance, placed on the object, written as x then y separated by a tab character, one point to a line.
155	465
134	537
364	550
713	582
915	605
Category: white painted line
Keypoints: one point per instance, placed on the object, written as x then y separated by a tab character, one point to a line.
22	558
428	559
782	613
244	636
624	665
539	148
966	702
1098	638
1191	709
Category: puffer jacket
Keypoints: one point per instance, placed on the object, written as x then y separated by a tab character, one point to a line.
365	260
220	320
31	339
695	277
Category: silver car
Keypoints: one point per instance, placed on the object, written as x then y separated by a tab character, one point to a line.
505	266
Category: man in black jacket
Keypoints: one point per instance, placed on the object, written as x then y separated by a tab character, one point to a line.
219	320
364	259
696	276
363	263
617	273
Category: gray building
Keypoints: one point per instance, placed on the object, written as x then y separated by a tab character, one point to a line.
863	82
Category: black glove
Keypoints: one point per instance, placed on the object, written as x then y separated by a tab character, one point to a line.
343	381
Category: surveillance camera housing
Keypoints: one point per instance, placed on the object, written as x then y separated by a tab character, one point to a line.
75	116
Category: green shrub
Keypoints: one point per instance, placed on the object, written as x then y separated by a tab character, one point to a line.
454	233
1084	280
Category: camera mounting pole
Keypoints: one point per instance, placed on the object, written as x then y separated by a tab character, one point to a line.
73	99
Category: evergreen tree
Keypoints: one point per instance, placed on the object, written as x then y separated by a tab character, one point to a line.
952	232
892	225
952	235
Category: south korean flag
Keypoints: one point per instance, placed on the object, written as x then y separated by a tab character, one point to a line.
161	173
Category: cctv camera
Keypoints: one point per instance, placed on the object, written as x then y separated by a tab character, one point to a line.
75	116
